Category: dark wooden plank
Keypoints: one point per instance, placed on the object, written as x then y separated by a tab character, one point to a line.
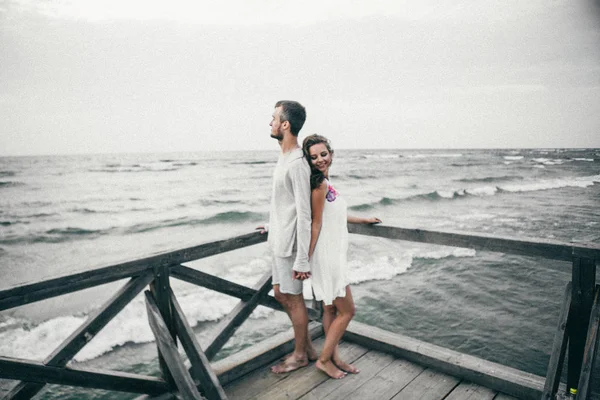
228	325
201	370
86	332
229	288
504	396
28	293
482	372
259	380
388	382
583	278
248	367
429	385
25	370
161	289
220	285
166	345
370	364
305	379
471	391
589	356
530	247
559	348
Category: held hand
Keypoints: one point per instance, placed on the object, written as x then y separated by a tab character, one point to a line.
300	275
373	220
263	229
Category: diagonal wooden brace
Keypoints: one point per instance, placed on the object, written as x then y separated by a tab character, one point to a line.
237	316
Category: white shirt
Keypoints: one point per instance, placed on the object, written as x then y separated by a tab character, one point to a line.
290	216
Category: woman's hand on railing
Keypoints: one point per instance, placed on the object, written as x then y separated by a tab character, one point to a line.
263	228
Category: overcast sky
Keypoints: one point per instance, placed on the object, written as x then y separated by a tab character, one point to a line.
90	76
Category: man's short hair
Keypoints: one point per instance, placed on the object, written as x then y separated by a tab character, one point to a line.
294	113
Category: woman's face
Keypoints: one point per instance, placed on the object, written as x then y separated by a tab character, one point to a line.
320	157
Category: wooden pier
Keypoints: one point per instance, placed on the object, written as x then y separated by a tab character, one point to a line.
392	366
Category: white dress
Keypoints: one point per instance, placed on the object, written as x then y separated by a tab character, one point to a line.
329	261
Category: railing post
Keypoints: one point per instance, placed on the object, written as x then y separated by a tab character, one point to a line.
584	281
161	289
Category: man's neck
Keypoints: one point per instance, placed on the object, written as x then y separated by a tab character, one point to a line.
289	143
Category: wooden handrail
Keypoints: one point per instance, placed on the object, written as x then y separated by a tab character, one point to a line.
28	293
530	247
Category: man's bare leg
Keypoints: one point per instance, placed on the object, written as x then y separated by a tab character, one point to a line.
294	306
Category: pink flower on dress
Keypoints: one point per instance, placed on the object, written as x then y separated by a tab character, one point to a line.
331	193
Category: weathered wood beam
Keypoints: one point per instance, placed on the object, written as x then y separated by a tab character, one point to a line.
201	369
229	288
220	285
559	348
86	332
25	370
168	350
495	376
583	276
591	346
532	247
260	354
228	325
33	292
161	289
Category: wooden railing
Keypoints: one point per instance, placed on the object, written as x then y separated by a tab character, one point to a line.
168	322
575	326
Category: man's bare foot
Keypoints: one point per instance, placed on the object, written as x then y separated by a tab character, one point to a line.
351	369
311	354
330	369
289	364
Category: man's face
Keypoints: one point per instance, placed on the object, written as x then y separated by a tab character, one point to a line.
276	130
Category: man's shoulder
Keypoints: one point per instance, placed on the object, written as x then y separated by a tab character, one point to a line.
297	158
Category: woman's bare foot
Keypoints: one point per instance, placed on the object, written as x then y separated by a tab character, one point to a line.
289	364
330	369
351	369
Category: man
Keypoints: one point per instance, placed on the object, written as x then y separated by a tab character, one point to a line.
289	229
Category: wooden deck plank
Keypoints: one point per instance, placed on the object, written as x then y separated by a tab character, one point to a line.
259	380
370	364
429	385
467	390
473	369
388	381
260	355
304	380
504	396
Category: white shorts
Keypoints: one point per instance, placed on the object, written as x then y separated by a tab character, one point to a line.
283	275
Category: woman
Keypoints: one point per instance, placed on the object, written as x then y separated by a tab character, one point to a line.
327	254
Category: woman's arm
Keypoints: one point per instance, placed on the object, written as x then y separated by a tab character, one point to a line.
360	220
317	199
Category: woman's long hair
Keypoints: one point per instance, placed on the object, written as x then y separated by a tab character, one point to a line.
316	176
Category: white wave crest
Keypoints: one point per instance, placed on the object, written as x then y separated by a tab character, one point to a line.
482	191
441	155
383	268
553	184
513	158
547	161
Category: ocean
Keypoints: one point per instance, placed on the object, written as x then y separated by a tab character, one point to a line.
65	214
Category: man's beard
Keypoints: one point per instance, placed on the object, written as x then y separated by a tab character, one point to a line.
278	135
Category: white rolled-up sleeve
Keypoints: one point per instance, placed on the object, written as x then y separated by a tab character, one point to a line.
300	177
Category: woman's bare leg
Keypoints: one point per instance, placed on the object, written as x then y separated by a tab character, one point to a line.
335	325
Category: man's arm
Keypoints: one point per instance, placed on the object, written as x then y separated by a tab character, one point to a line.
300	177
